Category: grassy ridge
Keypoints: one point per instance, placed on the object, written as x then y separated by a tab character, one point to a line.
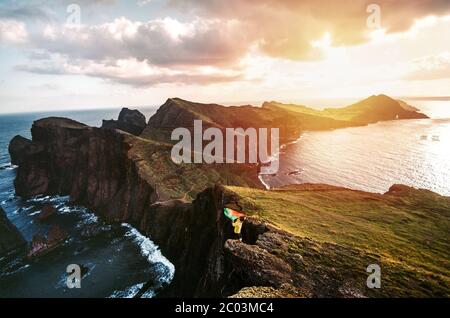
407	228
184	181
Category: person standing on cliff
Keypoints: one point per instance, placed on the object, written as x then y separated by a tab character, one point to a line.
236	219
237	224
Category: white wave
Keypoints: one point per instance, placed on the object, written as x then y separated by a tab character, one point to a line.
8	166
151	251
38	198
149	294
88	218
130	292
265	184
62	282
16	271
276	157
65	209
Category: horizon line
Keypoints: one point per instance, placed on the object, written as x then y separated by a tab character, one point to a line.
241	103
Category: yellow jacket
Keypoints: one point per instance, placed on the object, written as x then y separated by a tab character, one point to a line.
237	226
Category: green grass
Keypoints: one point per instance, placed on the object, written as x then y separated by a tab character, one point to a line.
184	181
410	230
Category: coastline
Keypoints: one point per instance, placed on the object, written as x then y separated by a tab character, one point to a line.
193	235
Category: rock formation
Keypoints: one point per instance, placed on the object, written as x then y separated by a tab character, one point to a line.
10	237
17	148
131	121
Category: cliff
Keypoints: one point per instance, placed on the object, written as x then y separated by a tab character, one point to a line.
109	171
10	237
181	113
335	233
126	178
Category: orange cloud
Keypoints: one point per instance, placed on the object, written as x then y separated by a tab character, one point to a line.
286	28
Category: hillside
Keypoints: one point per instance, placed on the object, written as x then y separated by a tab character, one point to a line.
405	230
370	110
181	113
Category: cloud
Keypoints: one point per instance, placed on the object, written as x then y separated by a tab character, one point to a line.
142	3
431	67
130	72
78	2
209	40
13	32
286	28
160	42
141	53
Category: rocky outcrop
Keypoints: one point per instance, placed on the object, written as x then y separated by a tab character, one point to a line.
209	260
131	121
10	237
17	148
89	164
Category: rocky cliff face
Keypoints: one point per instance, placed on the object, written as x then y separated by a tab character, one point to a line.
10	237
99	169
89	164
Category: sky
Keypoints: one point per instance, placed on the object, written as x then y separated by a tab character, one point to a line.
80	54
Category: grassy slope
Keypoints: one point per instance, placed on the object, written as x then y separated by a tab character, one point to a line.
409	231
185	180
369	110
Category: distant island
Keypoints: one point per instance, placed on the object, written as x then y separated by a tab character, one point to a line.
298	241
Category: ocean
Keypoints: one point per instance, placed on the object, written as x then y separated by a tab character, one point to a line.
374	157
117	262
